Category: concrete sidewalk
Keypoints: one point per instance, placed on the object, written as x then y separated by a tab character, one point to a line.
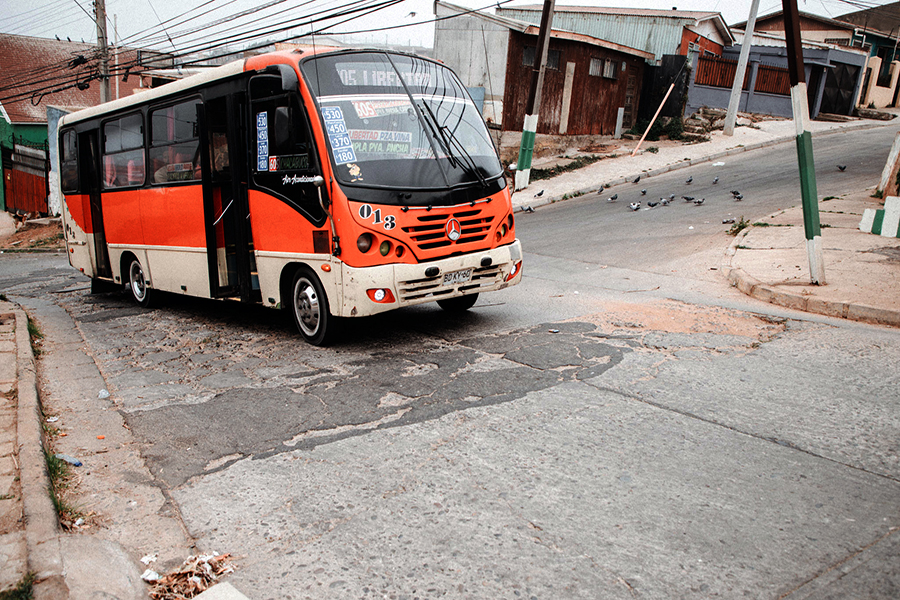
767	261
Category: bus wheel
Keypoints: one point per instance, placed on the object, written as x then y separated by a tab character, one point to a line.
137	283
309	305
459	303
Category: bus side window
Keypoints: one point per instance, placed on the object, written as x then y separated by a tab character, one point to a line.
175	143
68	162
123	152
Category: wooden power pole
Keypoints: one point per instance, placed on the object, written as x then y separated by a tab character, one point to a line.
100	17
533	107
800	104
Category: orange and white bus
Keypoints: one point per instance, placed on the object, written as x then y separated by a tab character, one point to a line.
332	183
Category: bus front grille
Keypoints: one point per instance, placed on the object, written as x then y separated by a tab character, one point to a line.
429	232
430	288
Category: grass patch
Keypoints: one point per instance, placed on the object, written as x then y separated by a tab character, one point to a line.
764	224
59	472
827	198
4	298
739	226
878	194
36	335
824	225
652	149
22	591
577	163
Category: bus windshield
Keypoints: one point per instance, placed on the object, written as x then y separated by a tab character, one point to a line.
398	121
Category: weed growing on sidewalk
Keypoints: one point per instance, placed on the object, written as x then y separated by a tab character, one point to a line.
577	163
739	226
3	298
34	332
59	472
22	591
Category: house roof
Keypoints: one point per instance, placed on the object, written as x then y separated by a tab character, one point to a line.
653	30
803	15
776	39
879	19
36	72
528	28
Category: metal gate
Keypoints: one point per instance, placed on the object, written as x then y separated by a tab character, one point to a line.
840	83
25	184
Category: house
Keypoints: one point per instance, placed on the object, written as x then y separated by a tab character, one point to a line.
586	80
36	73
659	32
873	30
671	36
833	75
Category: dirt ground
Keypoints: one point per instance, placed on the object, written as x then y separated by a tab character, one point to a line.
34	236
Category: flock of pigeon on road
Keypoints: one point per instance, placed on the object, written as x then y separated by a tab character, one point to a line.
635	206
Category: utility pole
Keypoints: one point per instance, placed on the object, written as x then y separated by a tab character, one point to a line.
809	194
100	17
738	85
533	107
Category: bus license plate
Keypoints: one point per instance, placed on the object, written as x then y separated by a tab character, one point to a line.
457	277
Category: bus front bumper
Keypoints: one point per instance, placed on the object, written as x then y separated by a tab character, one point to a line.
408	285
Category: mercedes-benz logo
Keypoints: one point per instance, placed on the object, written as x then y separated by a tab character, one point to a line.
454	230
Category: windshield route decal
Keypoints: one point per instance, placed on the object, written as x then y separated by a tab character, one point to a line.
341	146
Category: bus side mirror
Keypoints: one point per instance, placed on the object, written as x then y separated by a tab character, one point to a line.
283	128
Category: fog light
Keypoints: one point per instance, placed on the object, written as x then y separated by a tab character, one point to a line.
384	248
514	271
503	230
364	242
381	295
432	272
399	251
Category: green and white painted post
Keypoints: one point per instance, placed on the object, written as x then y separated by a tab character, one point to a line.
799	102
533	107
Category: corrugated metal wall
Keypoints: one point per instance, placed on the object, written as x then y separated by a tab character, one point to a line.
659	35
594	100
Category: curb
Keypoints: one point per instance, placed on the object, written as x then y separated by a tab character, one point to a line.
690	163
41	523
754	288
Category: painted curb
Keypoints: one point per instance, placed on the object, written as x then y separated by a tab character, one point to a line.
41	523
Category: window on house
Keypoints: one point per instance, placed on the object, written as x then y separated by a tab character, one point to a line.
609	69
175	143
68	162
553	58
123	152
596	68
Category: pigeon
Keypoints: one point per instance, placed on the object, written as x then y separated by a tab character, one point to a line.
664	201
638	178
735	193
739	197
643	192
635	206
613	198
671	196
716	180
841	167
528	209
728	220
689	180
688	198
699	201
652	204
539	194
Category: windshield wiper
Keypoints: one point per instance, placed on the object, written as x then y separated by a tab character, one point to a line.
448	141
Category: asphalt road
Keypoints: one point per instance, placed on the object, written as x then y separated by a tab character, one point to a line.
603	430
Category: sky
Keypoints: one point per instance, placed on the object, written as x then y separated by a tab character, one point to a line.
129	20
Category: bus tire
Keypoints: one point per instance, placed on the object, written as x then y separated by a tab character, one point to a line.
309	307
137	283
458	304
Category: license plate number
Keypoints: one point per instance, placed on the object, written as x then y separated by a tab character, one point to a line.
457	277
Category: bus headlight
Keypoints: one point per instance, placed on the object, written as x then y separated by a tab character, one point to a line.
381	295
384	248
364	242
